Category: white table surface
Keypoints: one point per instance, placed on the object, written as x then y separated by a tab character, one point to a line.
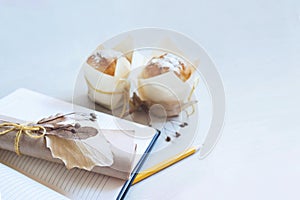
255	45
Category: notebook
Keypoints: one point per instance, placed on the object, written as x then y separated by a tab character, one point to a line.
33	178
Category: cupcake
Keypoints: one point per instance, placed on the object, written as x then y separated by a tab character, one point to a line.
106	71
166	80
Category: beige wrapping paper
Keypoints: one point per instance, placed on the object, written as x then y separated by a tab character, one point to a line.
122	160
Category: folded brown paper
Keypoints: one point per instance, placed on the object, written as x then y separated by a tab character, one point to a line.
122	158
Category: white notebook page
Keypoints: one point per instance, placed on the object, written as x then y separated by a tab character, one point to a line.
14	184
74	184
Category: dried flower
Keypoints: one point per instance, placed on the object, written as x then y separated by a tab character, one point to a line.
168	138
93	115
77	125
92	119
137	104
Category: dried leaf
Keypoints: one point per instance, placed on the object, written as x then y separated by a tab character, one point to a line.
73	133
62	134
52	119
136	104
86	132
62	125
78	153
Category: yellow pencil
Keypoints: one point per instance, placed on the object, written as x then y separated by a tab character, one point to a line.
160	166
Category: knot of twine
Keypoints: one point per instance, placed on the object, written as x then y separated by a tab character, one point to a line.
31	131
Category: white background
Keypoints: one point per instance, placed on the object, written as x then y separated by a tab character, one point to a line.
255	45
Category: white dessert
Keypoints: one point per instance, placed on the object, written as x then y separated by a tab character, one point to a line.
166	80
106	71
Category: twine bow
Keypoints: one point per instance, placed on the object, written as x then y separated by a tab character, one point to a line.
31	131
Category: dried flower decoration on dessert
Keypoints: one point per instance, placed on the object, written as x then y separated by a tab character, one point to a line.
106	72
149	112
